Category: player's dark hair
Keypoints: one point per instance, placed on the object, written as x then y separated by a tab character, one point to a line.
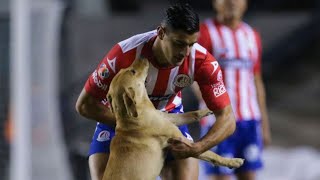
181	16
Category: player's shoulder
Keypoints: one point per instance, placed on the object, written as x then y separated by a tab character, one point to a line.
124	52
207	21
201	53
250	27
136	40
199	49
198	52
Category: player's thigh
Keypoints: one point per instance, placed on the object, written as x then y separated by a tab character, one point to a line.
184	169
97	165
250	148
248	175
99	150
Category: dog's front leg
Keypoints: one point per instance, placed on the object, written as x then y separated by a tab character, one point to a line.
209	156
215	159
186	118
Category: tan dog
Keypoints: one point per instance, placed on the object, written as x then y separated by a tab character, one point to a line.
137	149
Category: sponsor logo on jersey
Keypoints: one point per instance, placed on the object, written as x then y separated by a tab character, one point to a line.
160	98
182	80
222	51
97	81
236	63
112	64
103	71
215	66
218	89
103	136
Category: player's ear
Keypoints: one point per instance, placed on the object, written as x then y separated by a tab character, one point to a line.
129	102
161	32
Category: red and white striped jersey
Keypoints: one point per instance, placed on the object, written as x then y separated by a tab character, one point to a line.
163	85
238	52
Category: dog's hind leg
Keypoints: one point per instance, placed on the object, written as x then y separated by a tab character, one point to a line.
218	160
212	157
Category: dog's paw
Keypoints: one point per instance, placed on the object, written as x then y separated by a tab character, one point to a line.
234	162
203	113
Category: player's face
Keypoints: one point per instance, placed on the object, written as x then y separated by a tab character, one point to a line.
230	9
176	45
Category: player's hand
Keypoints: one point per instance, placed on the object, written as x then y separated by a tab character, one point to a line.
181	148
266	137
266	134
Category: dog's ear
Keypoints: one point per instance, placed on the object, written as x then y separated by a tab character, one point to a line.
129	102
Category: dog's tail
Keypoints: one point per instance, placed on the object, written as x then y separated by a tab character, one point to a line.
218	160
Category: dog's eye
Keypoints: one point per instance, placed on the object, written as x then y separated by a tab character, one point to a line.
133	71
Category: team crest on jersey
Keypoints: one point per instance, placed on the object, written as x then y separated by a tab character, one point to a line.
182	80
103	71
103	136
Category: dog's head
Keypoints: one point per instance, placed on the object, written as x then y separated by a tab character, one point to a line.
127	89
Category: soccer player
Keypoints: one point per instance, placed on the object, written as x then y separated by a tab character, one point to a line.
237	47
176	61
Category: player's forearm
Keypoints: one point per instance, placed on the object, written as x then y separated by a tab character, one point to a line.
264	117
265	127
98	113
262	102
223	128
91	108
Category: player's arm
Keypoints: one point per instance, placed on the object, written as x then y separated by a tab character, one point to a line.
92	102
221	129
224	120
216	97
261	95
196	91
263	109
203	40
209	78
89	107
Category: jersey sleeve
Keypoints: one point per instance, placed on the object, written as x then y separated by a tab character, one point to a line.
97	85
204	37
210	80
257	64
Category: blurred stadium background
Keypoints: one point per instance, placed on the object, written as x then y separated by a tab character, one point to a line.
49	47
